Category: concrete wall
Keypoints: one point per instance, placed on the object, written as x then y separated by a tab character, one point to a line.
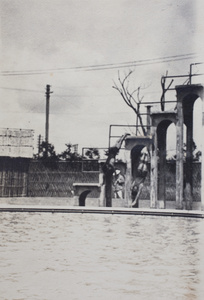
90	202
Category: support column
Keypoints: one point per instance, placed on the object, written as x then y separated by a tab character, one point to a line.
102	194
128	180
186	96
188	170
160	124
154	171
162	171
108	189
179	157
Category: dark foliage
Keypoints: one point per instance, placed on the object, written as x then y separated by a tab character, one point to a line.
92	153
69	154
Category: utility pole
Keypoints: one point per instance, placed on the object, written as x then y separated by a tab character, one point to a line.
48	92
47	113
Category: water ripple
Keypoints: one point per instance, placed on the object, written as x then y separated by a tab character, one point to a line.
82	256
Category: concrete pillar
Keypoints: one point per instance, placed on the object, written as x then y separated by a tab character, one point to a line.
102	194
186	96
128	179
108	189
162	170
179	156
188	182
160	124
154	170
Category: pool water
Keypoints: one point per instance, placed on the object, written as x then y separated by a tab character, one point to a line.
91	256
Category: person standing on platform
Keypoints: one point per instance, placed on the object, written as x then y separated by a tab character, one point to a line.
140	177
118	184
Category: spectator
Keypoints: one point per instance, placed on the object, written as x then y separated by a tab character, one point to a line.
118	184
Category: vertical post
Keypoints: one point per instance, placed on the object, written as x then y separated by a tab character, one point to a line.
179	153
48	92
102	202
109	139
188	188
136	123
128	179
108	189
47	113
190	74
148	119
154	171
161	138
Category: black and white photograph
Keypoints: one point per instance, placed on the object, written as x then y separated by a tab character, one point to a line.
101	145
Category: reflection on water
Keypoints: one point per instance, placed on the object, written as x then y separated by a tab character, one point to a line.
90	256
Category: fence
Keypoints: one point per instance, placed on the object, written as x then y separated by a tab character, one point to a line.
24	177
58	181
13	177
171	182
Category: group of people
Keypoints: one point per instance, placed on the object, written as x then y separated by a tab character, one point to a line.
116	178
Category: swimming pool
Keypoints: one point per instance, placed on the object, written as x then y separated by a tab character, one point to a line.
91	256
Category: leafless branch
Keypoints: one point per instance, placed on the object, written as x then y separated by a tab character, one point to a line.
129	98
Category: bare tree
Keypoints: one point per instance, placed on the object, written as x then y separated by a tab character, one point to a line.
131	98
134	100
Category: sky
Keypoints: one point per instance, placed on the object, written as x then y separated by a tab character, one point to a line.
78	47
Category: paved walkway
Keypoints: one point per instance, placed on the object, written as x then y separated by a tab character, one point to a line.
5	207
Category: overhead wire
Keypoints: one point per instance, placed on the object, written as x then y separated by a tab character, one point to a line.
96	67
102	66
21	90
55	94
141	64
